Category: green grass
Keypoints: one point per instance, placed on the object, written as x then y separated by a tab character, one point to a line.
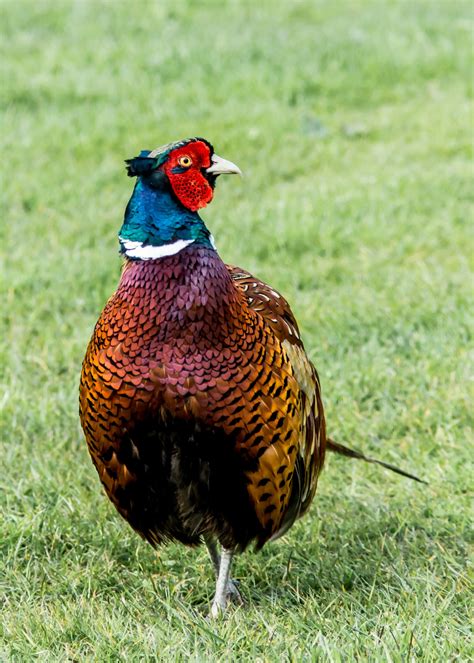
352	123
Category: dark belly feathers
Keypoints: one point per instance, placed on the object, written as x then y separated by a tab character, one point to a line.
183	480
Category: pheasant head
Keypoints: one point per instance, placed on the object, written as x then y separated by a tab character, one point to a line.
174	181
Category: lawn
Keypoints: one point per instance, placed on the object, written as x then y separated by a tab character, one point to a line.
352	123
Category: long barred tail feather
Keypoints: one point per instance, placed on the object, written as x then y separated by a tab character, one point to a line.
331	445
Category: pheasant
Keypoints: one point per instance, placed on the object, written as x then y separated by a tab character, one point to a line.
201	410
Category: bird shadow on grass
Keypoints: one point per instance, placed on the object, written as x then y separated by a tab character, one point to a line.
356	553
342	547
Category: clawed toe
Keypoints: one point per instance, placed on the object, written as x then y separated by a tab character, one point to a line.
220	604
233	594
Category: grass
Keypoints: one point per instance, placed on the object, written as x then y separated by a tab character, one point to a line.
352	122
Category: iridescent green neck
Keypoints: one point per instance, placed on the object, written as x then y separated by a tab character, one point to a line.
155	218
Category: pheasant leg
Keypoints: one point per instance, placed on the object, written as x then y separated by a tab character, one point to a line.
226	589
213	552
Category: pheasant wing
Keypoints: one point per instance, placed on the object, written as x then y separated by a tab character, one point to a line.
305	409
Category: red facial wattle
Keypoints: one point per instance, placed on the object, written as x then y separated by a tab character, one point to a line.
188	182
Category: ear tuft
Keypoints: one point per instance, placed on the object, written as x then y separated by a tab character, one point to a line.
141	165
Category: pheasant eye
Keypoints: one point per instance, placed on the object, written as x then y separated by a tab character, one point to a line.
185	161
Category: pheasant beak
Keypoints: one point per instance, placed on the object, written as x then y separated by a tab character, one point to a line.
220	166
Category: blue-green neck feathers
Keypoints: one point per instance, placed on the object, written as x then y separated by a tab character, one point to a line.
154	217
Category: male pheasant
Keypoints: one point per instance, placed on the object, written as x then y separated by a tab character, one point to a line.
201	409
